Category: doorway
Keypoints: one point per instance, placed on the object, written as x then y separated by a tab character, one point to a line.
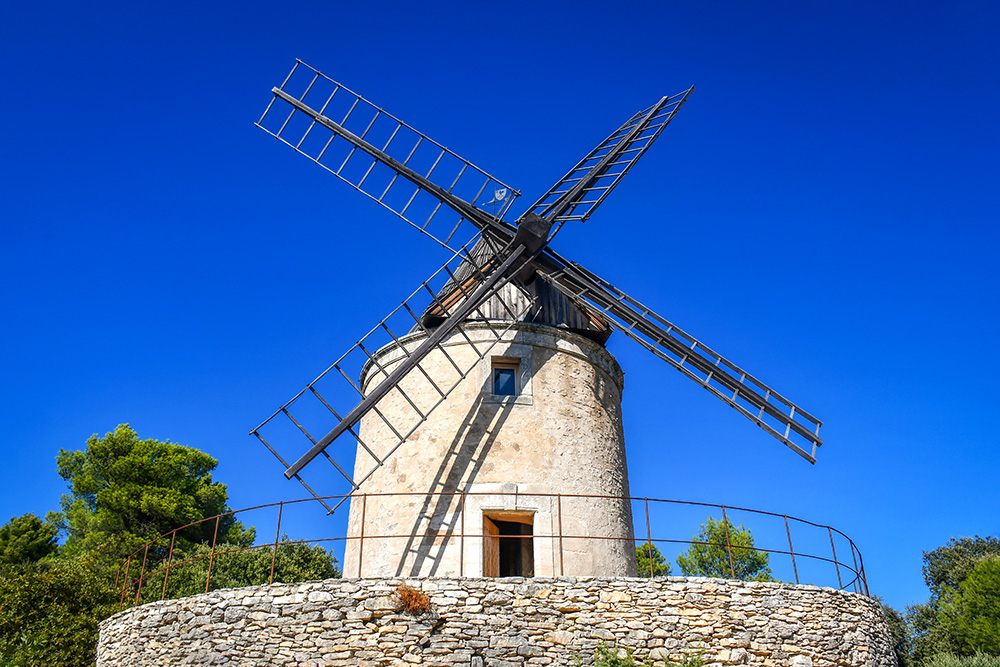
508	547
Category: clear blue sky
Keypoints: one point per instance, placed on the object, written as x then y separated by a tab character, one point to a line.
823	211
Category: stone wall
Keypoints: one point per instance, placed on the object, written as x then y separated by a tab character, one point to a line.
503	623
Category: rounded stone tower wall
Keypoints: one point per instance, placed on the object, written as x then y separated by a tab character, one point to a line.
522	461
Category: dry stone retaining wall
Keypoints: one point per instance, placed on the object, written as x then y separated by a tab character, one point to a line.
503	623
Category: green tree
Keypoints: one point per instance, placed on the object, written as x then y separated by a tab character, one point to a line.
943	625
646	552
708	555
26	539
234	566
949	660
49	612
947	566
899	631
126	491
971	612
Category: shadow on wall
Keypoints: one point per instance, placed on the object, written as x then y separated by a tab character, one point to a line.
461	464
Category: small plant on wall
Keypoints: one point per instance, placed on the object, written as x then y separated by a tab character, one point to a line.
412	600
610	656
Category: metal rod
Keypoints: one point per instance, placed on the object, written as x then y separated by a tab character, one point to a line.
461	540
361	541
277	534
864	577
128	566
211	557
166	574
142	572
835	563
649	539
857	575
562	571
562	536
729	548
791	551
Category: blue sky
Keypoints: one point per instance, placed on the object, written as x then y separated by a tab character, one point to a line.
822	211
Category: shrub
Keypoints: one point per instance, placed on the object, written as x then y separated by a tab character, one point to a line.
610	656
49	612
949	660
412	600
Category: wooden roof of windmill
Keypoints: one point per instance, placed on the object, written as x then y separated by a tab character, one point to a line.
539	300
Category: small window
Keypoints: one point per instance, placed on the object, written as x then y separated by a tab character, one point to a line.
505	377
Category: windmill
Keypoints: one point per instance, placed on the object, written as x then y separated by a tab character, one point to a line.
486	402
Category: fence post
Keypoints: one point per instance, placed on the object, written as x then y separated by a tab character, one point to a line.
173	537
461	540
857	573
142	573
277	534
361	539
128	567
211	557
861	571
791	550
729	548
835	563
562	569
649	538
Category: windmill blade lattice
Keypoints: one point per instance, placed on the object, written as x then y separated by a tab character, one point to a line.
404	170
578	194
786	421
388	384
314	410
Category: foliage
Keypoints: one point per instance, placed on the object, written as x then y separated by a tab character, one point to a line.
26	539
960	618
234	566
691	660
975	660
127	491
412	600
947	566
609	656
899	631
971	613
644	553
708	556
49	612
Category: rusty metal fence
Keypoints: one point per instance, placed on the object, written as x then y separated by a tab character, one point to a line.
144	575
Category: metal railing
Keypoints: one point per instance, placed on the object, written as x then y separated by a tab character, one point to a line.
138	570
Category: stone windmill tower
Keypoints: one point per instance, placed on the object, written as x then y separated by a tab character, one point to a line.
487	429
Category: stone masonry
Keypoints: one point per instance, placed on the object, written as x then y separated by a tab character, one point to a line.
503	623
561	434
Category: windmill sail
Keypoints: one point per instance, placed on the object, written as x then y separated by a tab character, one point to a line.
404	170
786	421
311	414
577	194
504	275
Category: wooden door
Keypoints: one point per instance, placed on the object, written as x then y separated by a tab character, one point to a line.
491	548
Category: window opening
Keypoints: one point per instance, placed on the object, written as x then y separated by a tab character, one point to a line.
505	377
